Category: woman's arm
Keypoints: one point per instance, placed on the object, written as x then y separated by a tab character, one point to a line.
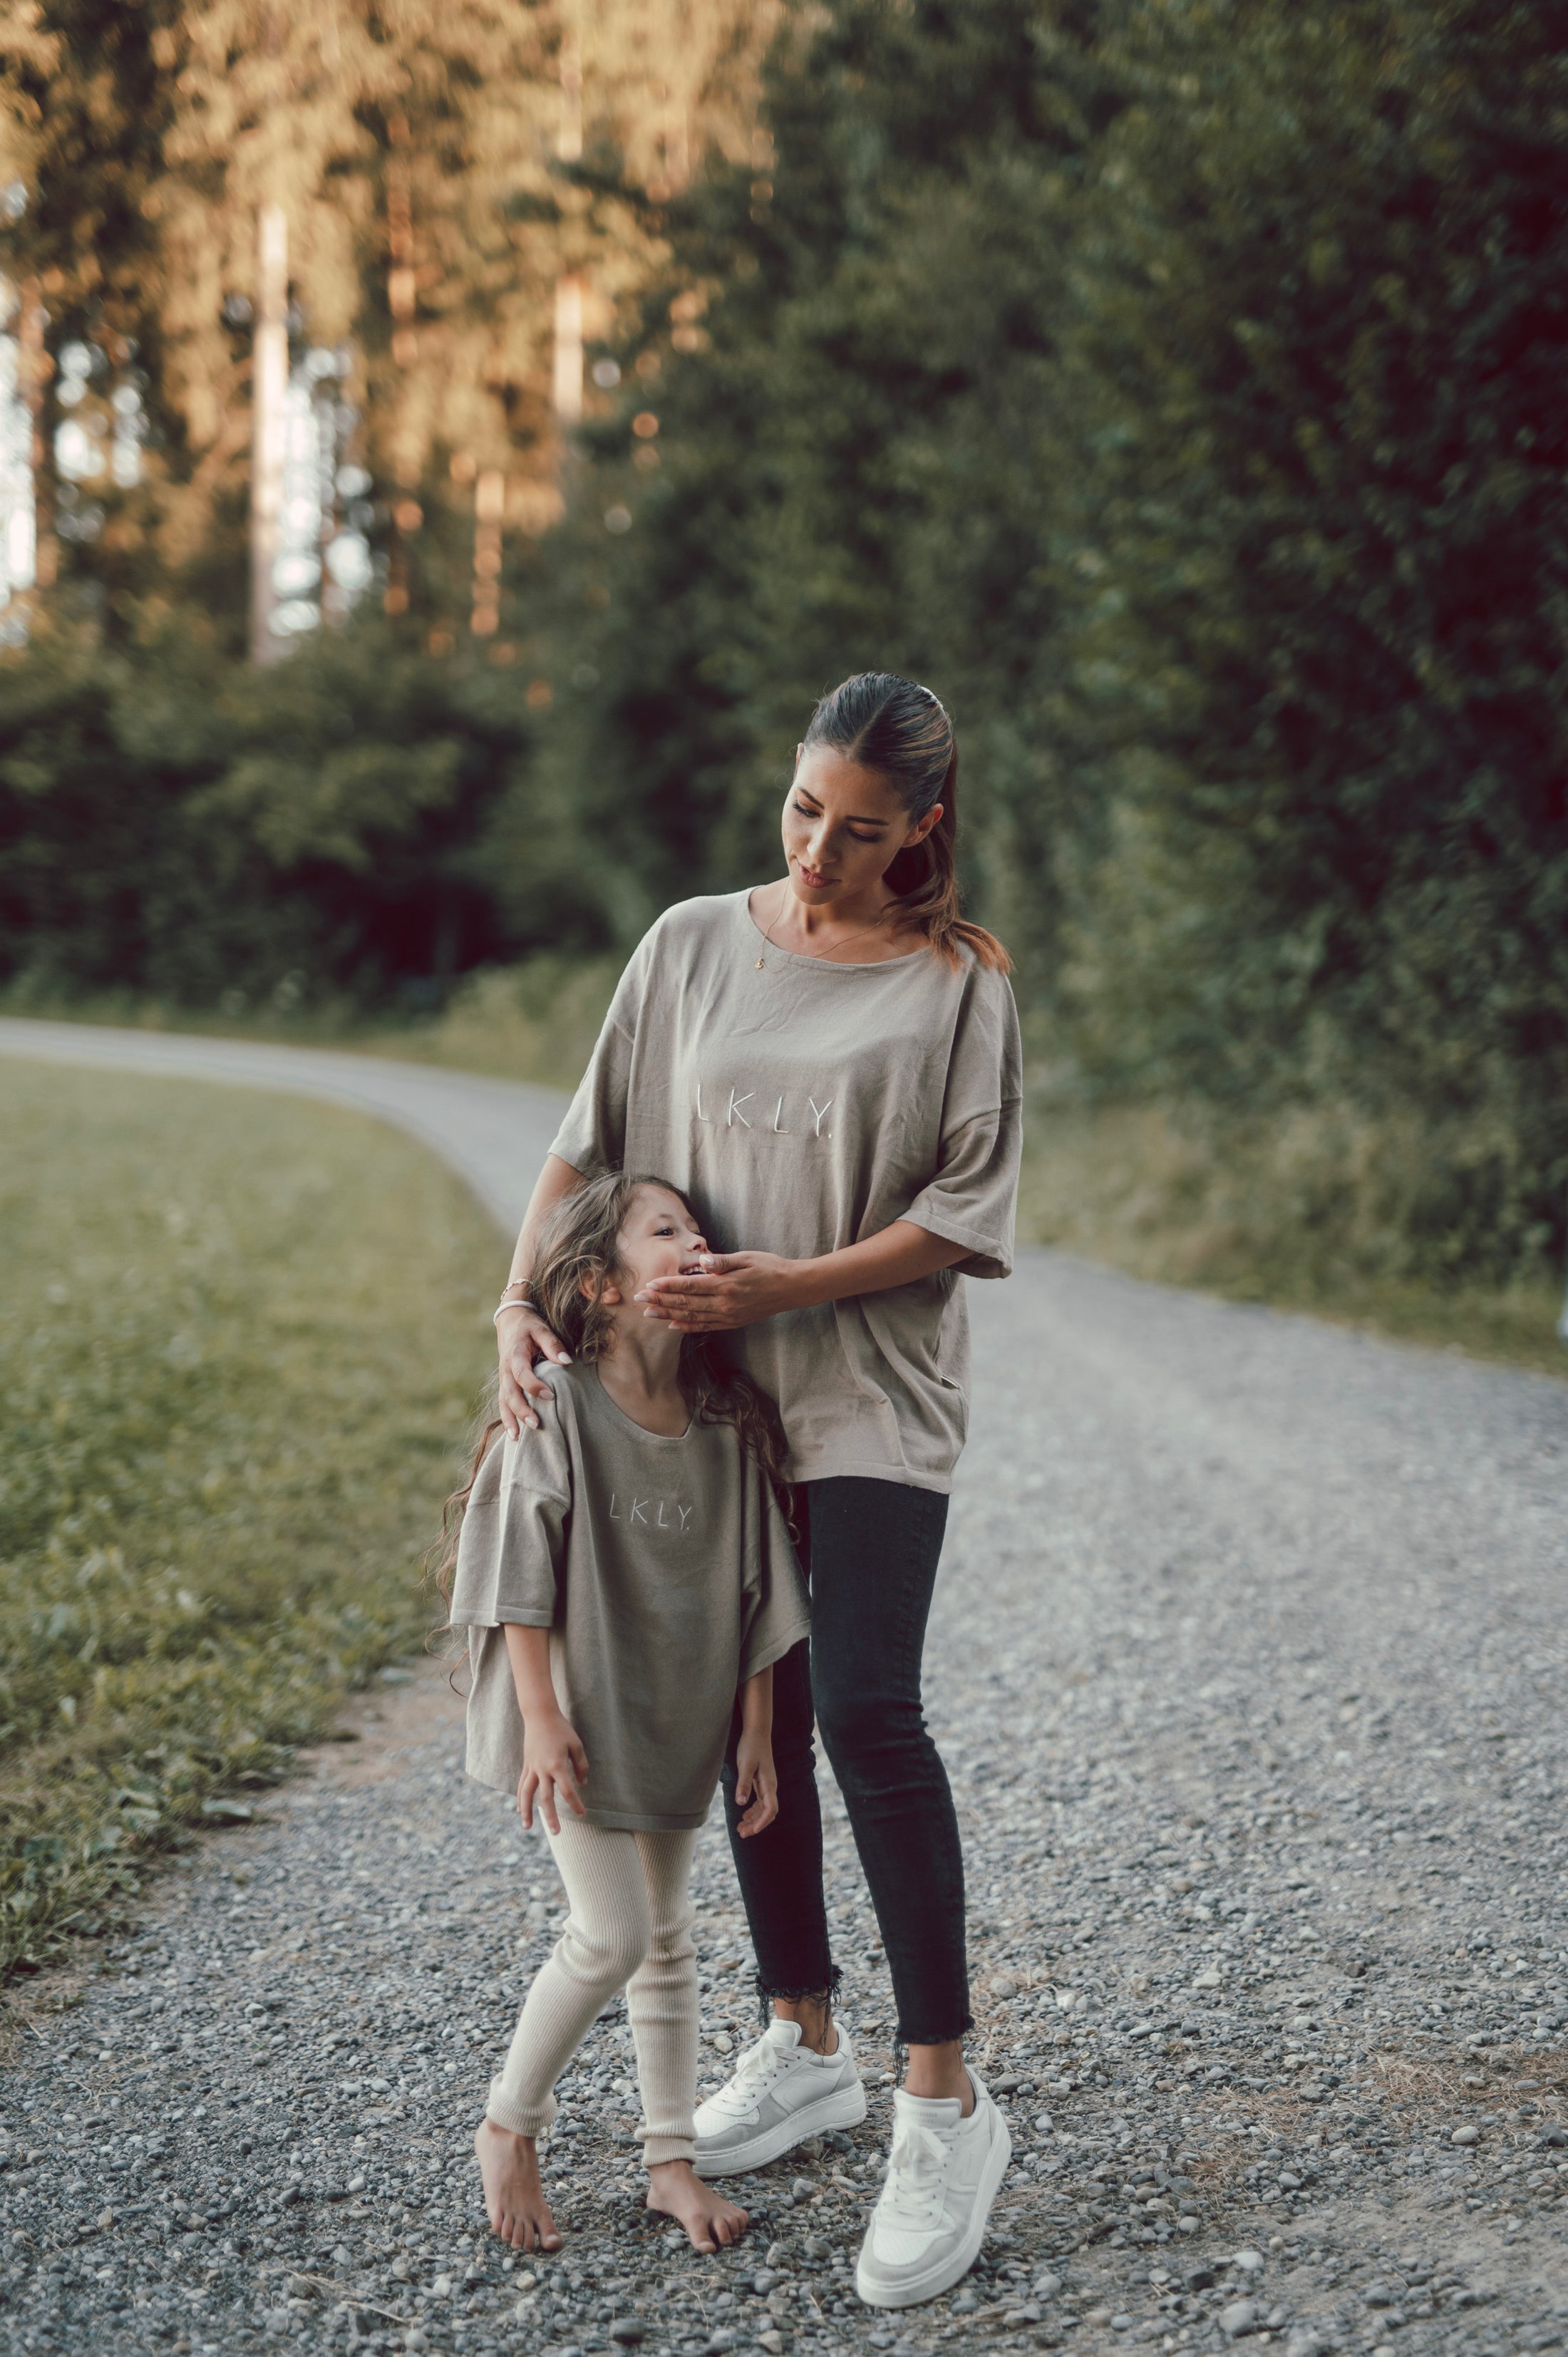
742	1287
756	1779
554	1763
521	1334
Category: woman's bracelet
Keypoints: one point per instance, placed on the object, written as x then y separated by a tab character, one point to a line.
501	1307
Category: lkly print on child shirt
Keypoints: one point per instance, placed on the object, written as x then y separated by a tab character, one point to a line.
652	1513
665	1575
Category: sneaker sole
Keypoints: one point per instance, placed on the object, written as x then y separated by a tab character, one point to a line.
959	2262
845	2108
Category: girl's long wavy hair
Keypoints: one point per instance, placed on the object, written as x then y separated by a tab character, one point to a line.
902	731
578	1251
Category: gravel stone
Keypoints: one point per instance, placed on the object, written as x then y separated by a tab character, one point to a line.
1246	1663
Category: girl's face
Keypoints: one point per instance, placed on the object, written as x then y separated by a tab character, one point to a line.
843	827
659	1238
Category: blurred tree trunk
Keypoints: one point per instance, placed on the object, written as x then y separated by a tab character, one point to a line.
269	381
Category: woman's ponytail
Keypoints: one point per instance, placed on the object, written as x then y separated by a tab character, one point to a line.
903	732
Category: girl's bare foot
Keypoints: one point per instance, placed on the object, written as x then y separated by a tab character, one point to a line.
514	2197
674	2187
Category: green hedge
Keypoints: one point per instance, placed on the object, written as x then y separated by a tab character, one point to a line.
176	824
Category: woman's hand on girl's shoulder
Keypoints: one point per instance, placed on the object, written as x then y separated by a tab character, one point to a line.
734	1289
522	1339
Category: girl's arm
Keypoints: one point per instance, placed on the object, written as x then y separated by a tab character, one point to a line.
741	1288
554	1761
521	1334
755	1780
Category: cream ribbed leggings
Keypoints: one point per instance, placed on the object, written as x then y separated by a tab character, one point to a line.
630	1927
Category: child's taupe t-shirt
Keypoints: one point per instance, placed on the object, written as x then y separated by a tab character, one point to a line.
665	1573
803	1106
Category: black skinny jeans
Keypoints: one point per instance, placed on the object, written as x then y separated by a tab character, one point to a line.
871	1551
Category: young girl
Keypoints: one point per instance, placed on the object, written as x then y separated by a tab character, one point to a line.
624	1573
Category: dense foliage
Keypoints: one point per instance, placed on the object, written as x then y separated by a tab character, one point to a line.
1175	389
1328	549
192	827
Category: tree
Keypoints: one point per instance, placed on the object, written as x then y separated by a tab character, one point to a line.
847	366
1320	670
410	161
1174	390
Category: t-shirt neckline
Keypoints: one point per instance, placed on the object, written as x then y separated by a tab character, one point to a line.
660	1439
822	965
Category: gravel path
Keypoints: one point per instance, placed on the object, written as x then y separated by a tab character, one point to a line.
1249	1662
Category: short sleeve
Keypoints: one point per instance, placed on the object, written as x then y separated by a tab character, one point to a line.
511	1551
593	1136
973	1200
775	1614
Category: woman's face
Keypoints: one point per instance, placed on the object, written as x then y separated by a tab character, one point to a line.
844	826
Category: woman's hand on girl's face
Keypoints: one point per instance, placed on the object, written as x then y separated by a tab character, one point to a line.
555	1765
735	1289
756	1782
522	1337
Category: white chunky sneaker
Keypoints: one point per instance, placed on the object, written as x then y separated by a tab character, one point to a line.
781	2092
926	2229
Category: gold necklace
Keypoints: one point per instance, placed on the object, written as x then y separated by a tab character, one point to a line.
822	956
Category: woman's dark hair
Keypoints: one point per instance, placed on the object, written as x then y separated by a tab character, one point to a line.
577	1251
902	731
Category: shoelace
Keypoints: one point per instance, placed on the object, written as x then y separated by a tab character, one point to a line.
917	2174
758	2065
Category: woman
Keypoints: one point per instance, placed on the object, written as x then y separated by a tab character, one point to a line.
831	1064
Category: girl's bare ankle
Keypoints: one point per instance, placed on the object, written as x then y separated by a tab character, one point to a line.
511	2136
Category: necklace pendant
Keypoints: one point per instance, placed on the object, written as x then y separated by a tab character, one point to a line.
758	966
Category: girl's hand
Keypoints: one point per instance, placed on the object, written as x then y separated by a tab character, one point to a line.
522	1337
554	1765
757	1780
736	1289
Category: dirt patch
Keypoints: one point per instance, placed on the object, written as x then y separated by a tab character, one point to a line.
1418	2085
376	1730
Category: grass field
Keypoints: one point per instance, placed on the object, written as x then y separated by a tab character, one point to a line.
240	1339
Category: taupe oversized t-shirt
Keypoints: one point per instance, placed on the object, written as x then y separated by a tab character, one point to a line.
665	1572
803	1107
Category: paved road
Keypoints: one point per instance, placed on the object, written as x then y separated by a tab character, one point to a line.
1248	1661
